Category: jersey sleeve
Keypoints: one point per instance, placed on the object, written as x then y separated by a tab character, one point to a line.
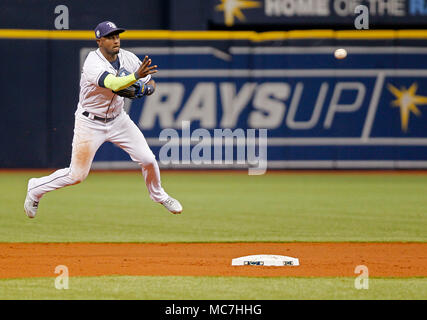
93	69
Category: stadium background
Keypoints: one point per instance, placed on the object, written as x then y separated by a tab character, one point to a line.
367	132
275	66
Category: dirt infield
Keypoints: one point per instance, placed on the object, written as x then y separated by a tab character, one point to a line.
21	260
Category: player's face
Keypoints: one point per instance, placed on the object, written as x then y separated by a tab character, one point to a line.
110	43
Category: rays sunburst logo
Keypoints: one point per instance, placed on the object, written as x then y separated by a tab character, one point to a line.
233	9
408	101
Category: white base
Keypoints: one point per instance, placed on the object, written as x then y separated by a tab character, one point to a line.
265	260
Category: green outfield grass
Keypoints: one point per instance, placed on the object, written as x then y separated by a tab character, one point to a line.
219	207
115	207
214	288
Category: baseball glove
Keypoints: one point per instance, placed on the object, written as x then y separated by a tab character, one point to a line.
134	91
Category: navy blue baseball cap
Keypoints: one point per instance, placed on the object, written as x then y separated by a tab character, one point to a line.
105	28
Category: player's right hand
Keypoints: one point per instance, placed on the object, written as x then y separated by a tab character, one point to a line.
146	68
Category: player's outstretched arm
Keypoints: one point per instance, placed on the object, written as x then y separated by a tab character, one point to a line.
107	80
116	83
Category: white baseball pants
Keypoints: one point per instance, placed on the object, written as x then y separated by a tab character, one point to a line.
89	135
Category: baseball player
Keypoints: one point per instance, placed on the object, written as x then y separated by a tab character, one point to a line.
109	74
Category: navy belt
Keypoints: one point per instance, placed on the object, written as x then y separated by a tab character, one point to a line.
98	118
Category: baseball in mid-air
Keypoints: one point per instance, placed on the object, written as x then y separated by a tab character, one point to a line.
340	53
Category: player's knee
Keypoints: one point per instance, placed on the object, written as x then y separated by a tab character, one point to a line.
78	177
148	161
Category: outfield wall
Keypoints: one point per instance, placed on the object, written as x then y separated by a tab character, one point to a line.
367	111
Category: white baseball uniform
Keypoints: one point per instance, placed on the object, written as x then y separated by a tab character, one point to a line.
90	133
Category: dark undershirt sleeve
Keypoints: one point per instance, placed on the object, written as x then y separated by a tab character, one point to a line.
102	78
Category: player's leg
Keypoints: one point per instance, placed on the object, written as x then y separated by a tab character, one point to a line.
127	136
86	141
